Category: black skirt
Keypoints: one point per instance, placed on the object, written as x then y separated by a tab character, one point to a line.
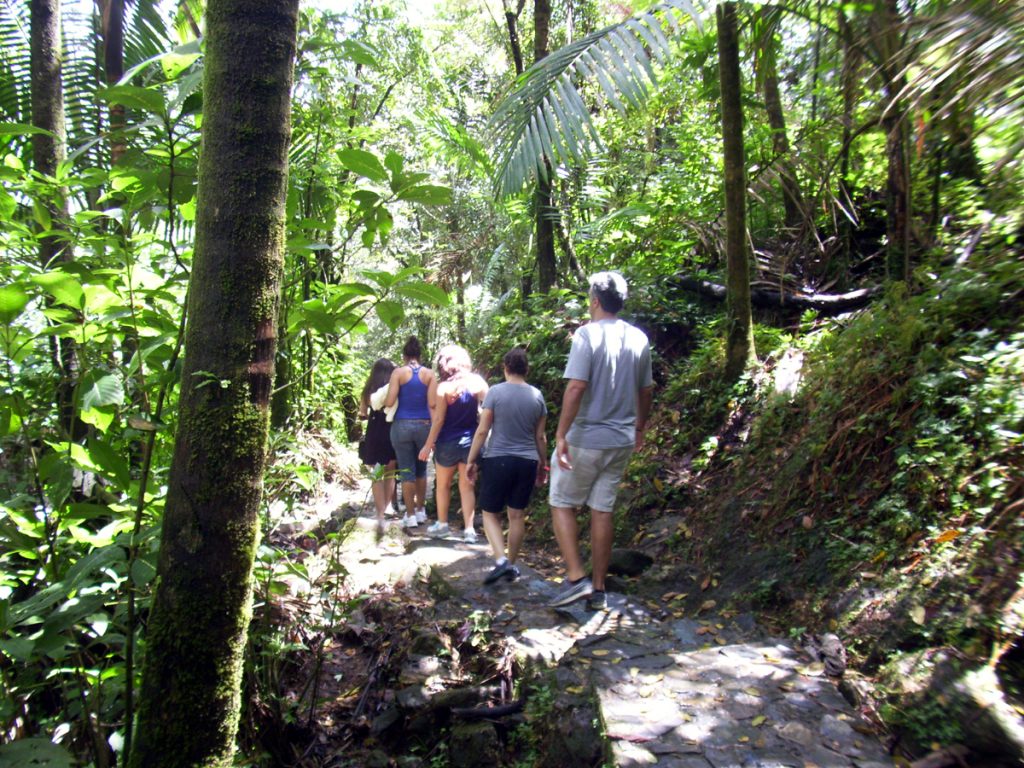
376	448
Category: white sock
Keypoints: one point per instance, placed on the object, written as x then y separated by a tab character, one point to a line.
501	561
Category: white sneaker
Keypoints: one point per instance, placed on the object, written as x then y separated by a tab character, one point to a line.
390	511
469	536
438	529
409	522
421	515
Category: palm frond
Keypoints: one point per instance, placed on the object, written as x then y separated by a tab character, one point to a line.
973	55
15	63
147	32
544	121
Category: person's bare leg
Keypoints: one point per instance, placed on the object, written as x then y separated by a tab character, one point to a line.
467	497
563	521
409	497
380	496
392	485
516	532
443	491
495	535
420	493
602	531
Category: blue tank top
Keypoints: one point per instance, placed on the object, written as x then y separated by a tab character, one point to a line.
412	398
460	420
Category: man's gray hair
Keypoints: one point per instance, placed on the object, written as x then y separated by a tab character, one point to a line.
610	290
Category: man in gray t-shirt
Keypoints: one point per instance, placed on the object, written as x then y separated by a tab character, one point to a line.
604	412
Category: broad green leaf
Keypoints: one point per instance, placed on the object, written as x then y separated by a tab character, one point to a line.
39	604
316	316
428	194
22	129
143	572
391	313
105	536
98	388
368	236
99	298
17	649
58	477
38	752
383	279
41	214
404	181
394	162
7	205
13	300
110	462
10	421
64	288
365	198
425	293
384	223
360	53
101	418
135	97
363	163
174	63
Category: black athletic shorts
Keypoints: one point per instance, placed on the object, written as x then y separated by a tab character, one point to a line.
506	481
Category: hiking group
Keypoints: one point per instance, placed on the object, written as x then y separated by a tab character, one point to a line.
494	438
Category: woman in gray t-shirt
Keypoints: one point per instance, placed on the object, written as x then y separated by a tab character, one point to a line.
514	415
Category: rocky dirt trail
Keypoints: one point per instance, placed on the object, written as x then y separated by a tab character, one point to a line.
435	669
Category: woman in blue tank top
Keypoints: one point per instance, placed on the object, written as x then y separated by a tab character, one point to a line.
408	387
455	396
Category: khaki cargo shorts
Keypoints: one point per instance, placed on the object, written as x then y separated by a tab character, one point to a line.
593	480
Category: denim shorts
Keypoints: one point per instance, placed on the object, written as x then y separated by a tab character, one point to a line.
594	478
453	453
408	437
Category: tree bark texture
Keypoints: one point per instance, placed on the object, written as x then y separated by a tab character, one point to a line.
113	66
739	321
792	197
545	213
886	26
48	152
190	699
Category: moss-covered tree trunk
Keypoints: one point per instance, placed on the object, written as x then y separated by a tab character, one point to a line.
49	150
546	214
189	705
740	332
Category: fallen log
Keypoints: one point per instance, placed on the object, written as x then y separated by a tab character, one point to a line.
763	296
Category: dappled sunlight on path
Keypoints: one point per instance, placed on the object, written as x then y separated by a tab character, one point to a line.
704	692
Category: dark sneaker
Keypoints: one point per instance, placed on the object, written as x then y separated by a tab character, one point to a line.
512	573
497	572
573	591
598	601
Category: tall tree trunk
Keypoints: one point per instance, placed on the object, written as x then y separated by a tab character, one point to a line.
112	21
740	332
48	152
512	22
545	212
886	23
190	700
848	79
792	197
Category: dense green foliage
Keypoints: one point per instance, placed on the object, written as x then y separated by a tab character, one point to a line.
899	455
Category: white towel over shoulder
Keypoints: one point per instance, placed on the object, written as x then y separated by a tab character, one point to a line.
377	403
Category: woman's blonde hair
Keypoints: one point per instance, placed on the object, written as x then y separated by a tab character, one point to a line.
451	362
